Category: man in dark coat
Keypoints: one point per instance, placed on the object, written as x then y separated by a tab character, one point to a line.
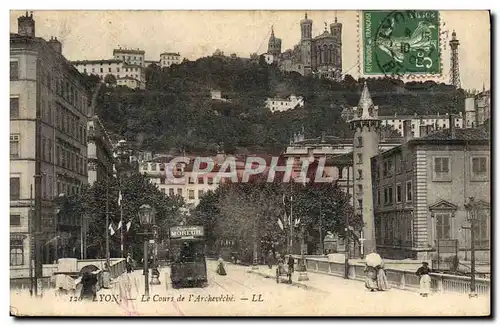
88	291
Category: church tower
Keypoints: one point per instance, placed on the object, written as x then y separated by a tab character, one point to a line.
336	31
365	124
306	44
274	44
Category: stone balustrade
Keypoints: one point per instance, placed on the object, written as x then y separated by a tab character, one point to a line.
402	279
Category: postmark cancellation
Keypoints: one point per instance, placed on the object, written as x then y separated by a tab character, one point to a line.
405	43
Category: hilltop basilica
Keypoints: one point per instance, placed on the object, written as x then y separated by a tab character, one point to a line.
321	55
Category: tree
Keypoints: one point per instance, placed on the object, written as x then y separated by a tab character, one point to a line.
110	79
136	190
249	212
176	110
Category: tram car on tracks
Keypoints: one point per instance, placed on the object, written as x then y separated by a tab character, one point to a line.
187	256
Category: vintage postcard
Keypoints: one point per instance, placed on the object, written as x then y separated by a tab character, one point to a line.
250	163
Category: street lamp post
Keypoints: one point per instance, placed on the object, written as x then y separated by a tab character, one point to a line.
255	262
146	217
302	268
472	209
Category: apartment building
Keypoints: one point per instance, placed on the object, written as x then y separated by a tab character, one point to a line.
437	121
126	74
421	189
169	58
48	138
130	56
280	104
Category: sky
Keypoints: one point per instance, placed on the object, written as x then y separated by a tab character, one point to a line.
94	34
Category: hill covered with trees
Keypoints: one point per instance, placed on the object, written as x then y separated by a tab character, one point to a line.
175	112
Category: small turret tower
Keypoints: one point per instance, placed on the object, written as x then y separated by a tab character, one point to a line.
336	31
306	44
366	125
274	44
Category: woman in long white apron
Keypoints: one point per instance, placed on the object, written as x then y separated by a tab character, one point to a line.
425	279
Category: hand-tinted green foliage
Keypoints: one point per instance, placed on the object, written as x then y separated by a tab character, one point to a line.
176	111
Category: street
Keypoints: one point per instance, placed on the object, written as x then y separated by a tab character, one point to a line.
241	293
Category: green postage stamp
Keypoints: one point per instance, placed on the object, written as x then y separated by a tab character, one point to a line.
401	42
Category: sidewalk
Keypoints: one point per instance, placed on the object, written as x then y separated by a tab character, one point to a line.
322	283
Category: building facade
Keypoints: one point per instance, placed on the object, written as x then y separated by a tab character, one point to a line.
321	55
437	121
134	57
99	152
130	75
478	109
280	104
48	137
421	189
170	58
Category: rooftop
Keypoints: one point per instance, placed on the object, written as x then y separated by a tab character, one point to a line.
416	116
79	62
171	53
137	51
469	134
23	41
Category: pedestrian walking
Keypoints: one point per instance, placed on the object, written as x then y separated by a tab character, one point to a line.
371	278
425	280
291	264
220	267
382	283
129	263
270	259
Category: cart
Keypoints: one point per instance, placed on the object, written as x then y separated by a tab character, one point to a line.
283	271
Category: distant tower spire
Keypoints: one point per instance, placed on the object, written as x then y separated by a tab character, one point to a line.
454	61
326	27
305	15
272	30
335	16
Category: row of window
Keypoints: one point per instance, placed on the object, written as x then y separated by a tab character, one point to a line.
70	124
70	159
392	229
65	120
192	181
387	197
101	70
191	193
65	89
67	158
128	57
431	121
175	58
47	189
63	187
441	167
168	63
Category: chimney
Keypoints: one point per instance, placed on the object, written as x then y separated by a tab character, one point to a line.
55	44
26	25
407	130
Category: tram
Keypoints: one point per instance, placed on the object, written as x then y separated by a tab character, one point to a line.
188	266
